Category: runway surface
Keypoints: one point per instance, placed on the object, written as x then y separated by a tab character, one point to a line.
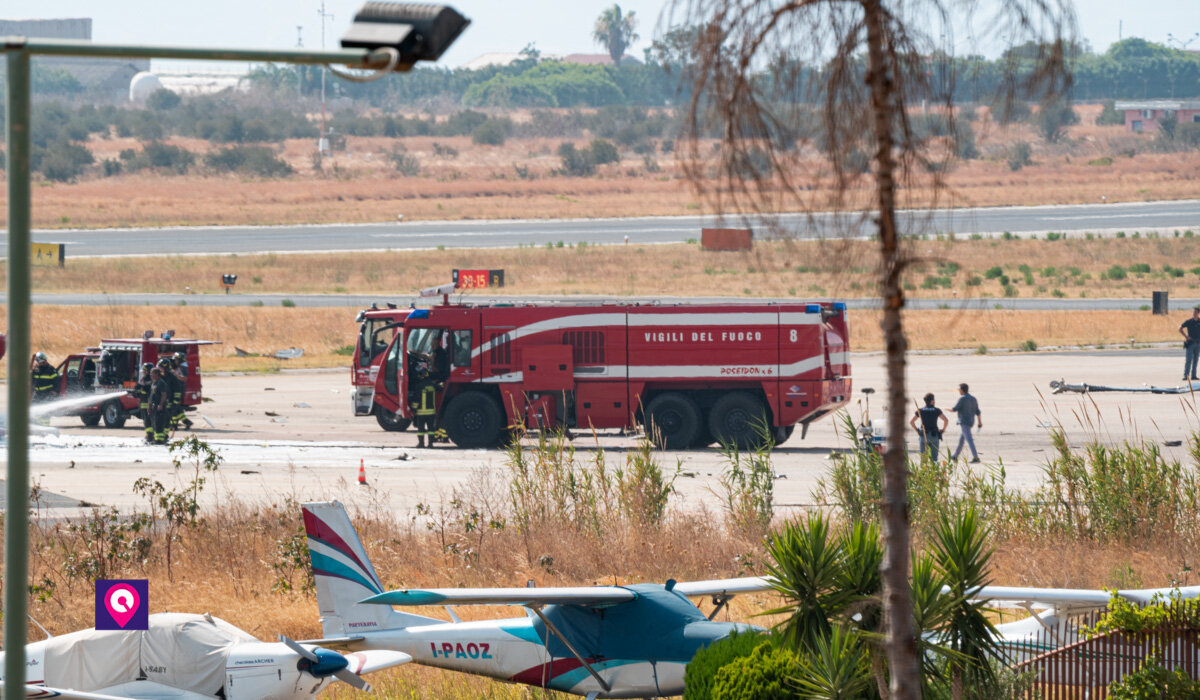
673	229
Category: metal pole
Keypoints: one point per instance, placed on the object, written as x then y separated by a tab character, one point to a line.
16	520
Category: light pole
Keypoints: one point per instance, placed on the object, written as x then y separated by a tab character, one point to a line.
1172	39
385	35
322	143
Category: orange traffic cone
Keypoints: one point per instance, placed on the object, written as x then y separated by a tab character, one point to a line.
362	474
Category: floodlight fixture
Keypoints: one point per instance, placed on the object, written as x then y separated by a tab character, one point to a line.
416	31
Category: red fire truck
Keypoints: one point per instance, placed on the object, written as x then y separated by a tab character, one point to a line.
691	374
114	366
377	327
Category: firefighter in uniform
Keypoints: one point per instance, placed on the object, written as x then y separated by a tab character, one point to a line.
179	373
423	400
142	393
168	377
45	378
160	404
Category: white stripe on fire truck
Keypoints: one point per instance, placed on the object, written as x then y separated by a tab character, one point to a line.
651	318
681	371
839	358
552	324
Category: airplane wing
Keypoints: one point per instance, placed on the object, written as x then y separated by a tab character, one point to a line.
1072	599
370	661
725	586
42	691
578	595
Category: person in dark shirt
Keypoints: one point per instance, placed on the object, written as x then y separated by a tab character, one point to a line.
969	414
1190	330
929	430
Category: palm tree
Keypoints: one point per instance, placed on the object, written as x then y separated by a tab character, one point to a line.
615	32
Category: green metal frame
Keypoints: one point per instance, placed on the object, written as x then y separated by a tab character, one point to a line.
19	52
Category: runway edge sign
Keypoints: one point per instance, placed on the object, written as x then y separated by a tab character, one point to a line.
48	254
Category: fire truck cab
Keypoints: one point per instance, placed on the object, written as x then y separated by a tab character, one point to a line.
377	327
115	365
690	375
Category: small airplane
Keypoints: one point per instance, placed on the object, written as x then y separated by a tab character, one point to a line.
188	657
598	641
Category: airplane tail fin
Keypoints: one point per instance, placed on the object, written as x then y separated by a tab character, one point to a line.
343	575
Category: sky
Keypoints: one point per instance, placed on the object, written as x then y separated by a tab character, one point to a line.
553	26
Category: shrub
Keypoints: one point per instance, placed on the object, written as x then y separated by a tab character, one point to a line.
1008	111
1054	116
574	161
1116	272
601	152
1020	156
254	160
405	162
1028	346
993	272
1155	682
1109	116
162	100
700	672
763	675
287	304
492	132
63	161
160	156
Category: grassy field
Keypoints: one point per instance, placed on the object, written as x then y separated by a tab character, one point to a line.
518	180
244	562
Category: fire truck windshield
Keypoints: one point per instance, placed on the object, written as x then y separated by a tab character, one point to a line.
423	341
370	341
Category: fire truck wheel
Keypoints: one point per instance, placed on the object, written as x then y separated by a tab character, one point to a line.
739	419
391	422
783	433
91	420
473	419
114	417
673	421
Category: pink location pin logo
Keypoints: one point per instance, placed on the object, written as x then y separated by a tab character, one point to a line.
122	603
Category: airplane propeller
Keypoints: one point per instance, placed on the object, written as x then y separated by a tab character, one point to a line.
322	663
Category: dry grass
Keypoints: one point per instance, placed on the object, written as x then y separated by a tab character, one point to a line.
61	330
320	332
1072	268
360	185
225	567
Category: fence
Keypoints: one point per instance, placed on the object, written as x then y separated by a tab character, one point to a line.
1085	668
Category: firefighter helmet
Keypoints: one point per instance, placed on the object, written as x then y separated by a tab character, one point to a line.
178	356
164	361
147	366
40	356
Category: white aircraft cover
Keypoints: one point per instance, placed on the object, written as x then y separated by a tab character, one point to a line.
179	650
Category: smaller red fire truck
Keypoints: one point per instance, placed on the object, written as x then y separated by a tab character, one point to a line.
115	364
376	329
691	375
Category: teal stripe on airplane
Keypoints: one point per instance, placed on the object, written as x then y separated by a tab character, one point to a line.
521	629
406	598
324	564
